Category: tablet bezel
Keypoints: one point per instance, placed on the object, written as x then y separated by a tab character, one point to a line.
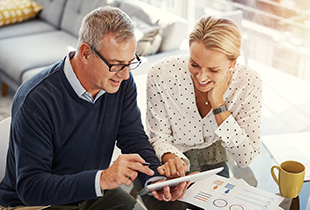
176	181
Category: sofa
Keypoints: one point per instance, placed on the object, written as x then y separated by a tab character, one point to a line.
29	46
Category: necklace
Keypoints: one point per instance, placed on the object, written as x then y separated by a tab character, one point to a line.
206	102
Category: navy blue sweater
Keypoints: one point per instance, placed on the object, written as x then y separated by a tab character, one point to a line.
59	141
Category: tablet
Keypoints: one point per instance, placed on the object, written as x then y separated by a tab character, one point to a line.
174	182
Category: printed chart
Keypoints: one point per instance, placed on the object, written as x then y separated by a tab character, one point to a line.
220	193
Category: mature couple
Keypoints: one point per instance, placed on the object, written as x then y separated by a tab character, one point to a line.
66	119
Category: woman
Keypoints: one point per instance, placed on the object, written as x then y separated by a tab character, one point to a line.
203	106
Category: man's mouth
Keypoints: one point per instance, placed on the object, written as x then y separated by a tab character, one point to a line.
115	81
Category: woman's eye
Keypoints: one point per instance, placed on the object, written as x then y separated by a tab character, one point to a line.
215	70
195	65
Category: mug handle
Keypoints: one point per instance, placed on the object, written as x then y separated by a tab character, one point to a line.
273	175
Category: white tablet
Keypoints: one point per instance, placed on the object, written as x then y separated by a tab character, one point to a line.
174	182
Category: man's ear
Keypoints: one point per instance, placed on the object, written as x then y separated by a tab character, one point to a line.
85	52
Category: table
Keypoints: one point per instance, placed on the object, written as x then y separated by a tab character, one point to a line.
258	174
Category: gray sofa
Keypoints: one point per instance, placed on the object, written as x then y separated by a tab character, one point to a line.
29	46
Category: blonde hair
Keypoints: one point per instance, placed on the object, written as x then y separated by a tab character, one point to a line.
218	33
102	21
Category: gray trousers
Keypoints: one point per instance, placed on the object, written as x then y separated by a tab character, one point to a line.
112	200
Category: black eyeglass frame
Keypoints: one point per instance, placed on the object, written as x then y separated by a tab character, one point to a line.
123	65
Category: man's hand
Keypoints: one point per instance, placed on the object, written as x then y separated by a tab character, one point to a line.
123	170
171	193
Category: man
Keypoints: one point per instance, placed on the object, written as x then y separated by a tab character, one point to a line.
65	121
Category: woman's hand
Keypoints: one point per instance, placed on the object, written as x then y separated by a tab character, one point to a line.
173	166
215	95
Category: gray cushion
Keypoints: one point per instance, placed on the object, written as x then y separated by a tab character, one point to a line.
20	54
76	10
148	37
52	11
174	27
25	28
49	20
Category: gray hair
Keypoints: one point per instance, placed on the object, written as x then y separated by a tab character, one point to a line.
102	21
218	33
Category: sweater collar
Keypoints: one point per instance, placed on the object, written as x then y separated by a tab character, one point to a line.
76	84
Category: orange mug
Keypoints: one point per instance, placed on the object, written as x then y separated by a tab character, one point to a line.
291	178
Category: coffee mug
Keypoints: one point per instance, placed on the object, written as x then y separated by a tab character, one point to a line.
291	178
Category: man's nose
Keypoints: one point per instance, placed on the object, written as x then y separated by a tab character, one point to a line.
124	73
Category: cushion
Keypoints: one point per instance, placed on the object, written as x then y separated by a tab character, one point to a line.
148	37
76	10
13	11
29	27
46	49
52	12
174	28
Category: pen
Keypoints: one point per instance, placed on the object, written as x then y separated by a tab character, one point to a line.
146	164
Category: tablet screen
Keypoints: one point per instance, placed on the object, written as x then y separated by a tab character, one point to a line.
176	181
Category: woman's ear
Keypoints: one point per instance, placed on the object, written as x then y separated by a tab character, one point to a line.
233	64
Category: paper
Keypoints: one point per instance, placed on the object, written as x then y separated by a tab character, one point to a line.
292	146
218	192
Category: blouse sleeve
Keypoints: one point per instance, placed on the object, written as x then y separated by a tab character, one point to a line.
158	123
241	131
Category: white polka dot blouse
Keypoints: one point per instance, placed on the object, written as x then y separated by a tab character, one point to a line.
173	121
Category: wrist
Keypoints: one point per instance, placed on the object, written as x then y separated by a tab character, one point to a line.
217	103
167	156
220	110
102	181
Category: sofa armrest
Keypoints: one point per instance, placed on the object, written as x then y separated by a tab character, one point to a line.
174	28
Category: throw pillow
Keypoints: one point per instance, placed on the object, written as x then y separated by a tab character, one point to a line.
148	37
13	11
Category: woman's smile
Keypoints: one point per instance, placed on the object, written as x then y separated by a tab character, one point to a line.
204	83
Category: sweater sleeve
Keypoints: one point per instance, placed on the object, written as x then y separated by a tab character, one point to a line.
34	151
131	136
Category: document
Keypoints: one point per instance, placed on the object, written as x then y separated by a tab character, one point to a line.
218	192
292	146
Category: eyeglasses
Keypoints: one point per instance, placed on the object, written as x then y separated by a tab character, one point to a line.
119	67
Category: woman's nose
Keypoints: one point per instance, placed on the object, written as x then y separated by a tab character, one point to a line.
202	75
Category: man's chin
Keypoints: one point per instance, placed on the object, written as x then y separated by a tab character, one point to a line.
112	90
